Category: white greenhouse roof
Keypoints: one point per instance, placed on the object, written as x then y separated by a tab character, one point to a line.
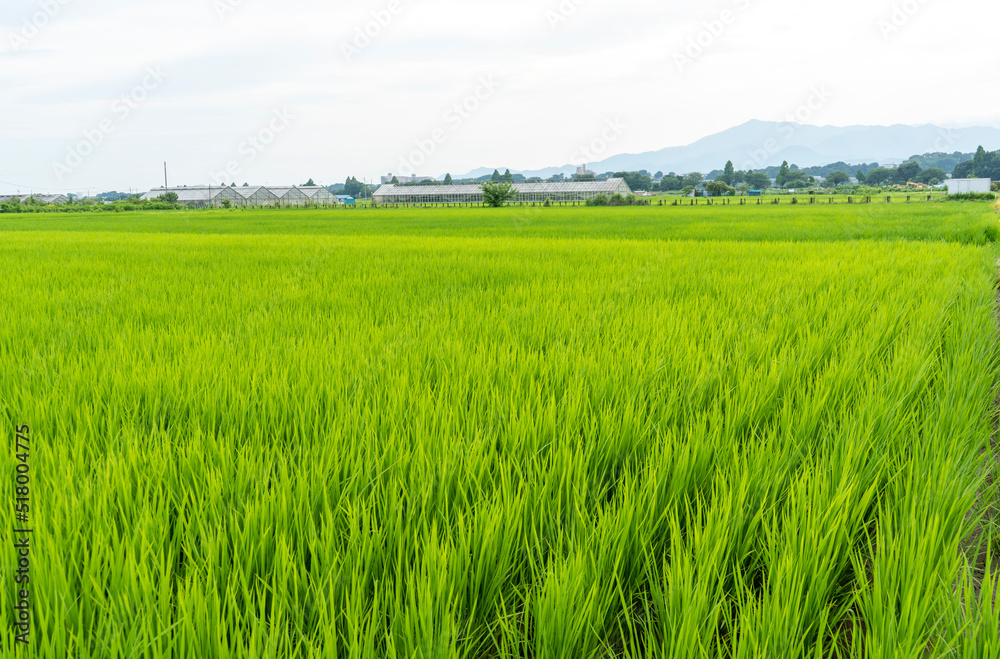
250	191
187	195
312	190
608	187
44	198
283	190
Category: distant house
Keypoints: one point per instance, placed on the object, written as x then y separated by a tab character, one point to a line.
756	193
968	185
345	200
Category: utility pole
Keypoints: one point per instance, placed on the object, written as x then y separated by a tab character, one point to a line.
165	186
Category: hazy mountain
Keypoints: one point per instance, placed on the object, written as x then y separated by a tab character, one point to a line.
759	144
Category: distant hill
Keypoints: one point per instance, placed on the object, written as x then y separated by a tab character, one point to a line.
760	144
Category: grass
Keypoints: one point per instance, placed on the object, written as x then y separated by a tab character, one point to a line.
519	434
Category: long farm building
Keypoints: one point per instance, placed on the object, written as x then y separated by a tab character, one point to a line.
524	193
212	196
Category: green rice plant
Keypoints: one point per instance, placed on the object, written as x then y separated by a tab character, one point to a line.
571	434
966	223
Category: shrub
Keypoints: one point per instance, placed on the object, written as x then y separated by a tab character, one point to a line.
718	188
497	193
617	200
972	196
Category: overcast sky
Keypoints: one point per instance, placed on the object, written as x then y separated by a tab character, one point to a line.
97	94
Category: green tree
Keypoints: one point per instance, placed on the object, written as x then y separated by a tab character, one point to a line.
496	176
784	174
991	167
671	183
860	176
758	180
979	161
906	172
498	193
448	180
985	164
310	184
226	203
694	179
395	180
837	178
355	188
932	176
508	177
718	188
169	197
964	170
729	175
636	180
880	176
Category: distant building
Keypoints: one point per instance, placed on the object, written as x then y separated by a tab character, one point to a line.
211	196
199	197
405	179
44	198
345	200
290	195
525	193
318	195
968	185
257	196
583	171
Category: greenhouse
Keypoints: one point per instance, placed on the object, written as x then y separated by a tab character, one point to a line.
286	195
41	198
525	193
200	197
257	196
289	196
318	195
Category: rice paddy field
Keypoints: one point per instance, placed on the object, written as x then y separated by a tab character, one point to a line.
539	433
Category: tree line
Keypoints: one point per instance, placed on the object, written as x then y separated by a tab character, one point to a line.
985	164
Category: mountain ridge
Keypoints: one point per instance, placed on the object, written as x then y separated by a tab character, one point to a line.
758	144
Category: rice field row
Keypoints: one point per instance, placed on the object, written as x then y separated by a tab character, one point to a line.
966	223
516	435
